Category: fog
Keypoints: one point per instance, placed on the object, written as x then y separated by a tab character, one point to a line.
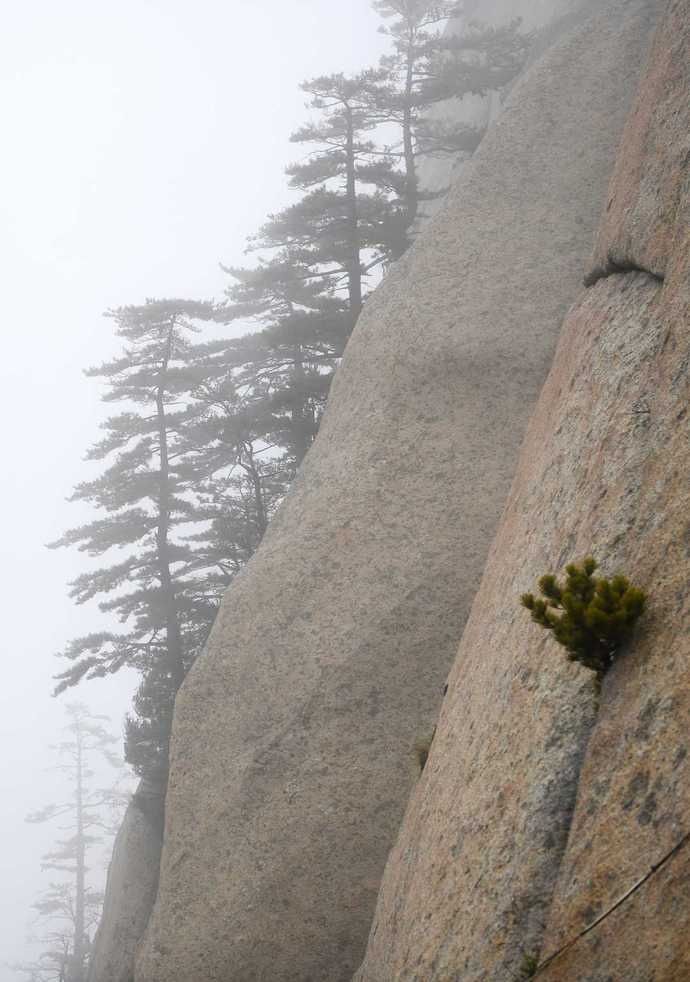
143	141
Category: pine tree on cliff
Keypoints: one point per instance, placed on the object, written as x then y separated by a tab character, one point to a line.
306	291
425	68
349	220
144	496
69	909
275	381
238	447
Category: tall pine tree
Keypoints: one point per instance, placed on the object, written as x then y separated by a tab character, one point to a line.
427	67
283	371
349	219
145	497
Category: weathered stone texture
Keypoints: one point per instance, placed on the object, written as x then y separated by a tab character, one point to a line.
130	890
533	795
478	110
634	798
652	168
292	748
468	885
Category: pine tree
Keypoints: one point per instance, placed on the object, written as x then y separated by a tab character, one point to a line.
348	221
239	476
270	388
427	67
591	617
145	499
414	38
282	372
70	908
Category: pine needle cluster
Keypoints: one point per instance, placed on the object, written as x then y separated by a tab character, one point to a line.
591	617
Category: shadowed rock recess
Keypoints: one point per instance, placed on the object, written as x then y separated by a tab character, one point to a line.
292	751
542	804
130	889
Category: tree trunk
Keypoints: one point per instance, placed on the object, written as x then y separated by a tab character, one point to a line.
354	267
411	185
302	433
172	624
248	465
79	952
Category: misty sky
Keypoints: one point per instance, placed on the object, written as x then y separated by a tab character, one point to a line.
143	140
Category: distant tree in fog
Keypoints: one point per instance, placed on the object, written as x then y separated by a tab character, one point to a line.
427	67
69	908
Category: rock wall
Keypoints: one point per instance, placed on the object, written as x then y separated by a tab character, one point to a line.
438	172
292	747
544	803
130	888
633	803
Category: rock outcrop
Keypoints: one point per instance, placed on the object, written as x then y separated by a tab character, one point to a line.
130	888
543	802
292	747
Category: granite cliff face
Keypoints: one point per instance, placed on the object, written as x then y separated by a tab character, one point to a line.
544	804
292	752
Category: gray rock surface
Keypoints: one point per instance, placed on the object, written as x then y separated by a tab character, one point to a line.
130	889
292	752
539	17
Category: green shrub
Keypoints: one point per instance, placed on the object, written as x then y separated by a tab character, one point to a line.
591	617
529	967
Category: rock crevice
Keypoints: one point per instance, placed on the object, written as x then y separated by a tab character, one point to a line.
618	266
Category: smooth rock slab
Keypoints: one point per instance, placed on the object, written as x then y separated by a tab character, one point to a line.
292	754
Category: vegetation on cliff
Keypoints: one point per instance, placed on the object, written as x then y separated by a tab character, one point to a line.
591	617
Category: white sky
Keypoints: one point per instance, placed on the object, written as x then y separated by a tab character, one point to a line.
142	141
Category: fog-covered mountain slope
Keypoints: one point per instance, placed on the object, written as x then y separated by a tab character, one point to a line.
292	755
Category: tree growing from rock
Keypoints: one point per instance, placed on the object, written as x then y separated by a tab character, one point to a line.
348	220
144	496
591	617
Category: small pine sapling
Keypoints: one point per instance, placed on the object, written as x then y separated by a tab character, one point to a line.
528	968
591	617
